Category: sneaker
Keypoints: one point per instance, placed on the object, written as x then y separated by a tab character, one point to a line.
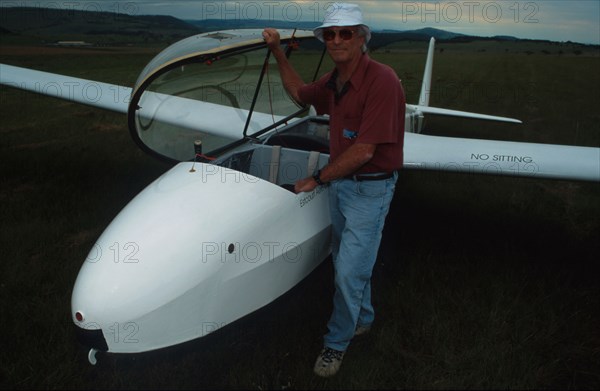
328	362
360	330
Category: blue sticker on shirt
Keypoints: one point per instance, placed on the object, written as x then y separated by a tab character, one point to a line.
349	134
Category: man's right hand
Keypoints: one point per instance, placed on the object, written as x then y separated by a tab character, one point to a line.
291	80
272	38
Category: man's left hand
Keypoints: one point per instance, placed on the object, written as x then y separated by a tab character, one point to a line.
305	185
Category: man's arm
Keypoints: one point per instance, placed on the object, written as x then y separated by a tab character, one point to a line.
347	163
290	78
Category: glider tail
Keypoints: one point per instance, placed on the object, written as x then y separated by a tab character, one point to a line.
426	86
422	108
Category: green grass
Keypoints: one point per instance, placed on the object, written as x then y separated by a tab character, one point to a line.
482	282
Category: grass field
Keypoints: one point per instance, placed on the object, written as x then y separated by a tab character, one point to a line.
481	282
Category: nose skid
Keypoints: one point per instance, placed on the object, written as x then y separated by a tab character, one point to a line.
92	338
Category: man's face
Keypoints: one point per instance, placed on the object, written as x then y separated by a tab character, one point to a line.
343	43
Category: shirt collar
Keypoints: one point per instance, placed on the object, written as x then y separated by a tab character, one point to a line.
355	80
359	73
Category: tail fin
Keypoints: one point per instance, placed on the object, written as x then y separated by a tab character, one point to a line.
426	86
418	111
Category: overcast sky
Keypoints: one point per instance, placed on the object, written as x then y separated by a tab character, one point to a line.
556	20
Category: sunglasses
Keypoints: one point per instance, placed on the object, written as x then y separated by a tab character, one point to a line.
345	34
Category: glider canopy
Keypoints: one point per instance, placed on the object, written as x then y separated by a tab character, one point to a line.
216	87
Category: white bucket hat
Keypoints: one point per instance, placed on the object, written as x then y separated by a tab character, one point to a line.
342	14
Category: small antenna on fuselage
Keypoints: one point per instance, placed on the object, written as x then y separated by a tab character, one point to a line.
197	153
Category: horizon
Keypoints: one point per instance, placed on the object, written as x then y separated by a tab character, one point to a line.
553	20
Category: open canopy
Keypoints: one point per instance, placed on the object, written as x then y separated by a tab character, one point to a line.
216	87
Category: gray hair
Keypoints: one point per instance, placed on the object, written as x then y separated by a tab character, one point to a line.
364	31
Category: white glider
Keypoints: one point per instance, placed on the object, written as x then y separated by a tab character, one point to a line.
210	240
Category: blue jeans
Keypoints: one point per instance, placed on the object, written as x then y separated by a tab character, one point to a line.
358	210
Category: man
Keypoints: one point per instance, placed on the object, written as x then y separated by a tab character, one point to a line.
366	104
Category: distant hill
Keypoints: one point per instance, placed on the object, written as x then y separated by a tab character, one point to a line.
220	24
429	32
36	24
52	24
379	37
505	38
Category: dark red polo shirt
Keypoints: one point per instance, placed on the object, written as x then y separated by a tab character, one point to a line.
370	110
